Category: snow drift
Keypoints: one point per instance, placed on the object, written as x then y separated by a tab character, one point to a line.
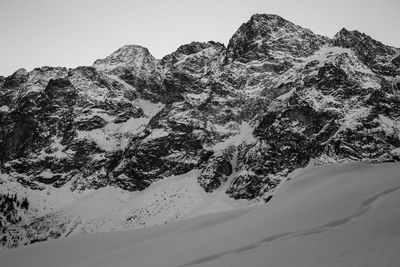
332	215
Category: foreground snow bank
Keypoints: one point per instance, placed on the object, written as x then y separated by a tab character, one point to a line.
332	215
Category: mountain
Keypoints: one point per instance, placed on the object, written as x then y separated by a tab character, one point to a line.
134	141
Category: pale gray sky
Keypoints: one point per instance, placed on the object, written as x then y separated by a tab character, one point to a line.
70	33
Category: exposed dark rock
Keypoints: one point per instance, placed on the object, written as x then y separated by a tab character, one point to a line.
92	123
396	61
263	34
133	112
163	153
250	186
372	53
16	79
216	171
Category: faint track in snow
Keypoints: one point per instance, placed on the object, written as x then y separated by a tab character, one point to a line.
365	206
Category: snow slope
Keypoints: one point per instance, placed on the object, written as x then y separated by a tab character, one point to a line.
113	209
332	215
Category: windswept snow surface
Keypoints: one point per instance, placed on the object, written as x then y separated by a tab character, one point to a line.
332	215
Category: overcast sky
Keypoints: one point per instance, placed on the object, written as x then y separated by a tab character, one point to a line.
70	33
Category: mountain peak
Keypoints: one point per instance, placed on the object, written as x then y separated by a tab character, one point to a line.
132	48
346	34
263	24
267	32
20	72
18	77
371	52
270	19
128	56
349	39
195	47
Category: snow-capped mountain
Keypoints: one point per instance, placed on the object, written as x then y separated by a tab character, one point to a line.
134	141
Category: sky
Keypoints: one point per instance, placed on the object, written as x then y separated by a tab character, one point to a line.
77	32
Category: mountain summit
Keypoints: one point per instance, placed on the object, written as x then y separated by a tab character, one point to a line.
205	124
134	56
265	33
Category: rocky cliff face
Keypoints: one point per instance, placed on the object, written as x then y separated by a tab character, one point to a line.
243	116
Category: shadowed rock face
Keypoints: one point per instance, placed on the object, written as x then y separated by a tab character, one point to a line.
246	115
216	171
264	35
16	79
372	53
396	61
